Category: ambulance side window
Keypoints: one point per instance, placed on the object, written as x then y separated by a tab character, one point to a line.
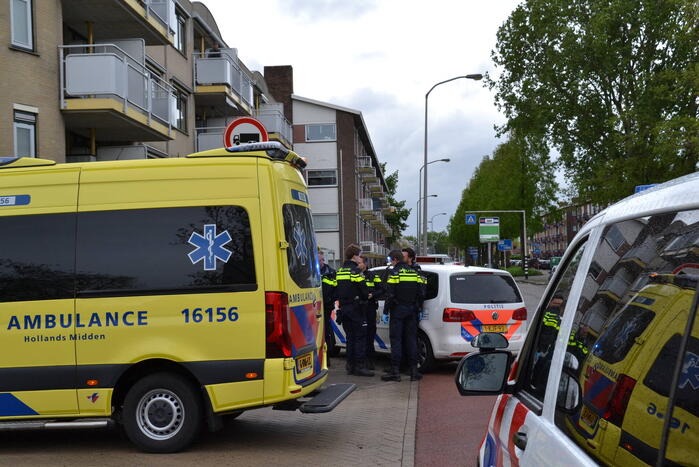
166	250
37	257
536	372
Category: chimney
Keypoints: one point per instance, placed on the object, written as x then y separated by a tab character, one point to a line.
280	82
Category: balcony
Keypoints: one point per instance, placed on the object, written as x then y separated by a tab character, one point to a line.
366	209
365	167
209	138
278	127
220	83
104	88
616	286
153	21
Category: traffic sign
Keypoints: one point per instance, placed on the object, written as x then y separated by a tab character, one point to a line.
505	245
471	219
472	250
640	188
244	130
537	251
489	229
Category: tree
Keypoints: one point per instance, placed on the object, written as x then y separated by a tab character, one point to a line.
399	215
611	84
517	176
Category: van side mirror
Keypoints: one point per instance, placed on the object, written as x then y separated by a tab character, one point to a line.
490	341
568	398
483	373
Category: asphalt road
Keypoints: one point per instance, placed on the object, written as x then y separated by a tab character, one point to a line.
450	428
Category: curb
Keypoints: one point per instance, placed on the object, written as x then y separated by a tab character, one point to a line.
408	456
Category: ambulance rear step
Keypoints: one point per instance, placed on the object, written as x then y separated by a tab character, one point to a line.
328	398
55	424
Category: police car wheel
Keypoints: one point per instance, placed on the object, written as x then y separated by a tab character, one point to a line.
425	357
162	413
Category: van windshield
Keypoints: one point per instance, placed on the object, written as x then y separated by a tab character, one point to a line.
302	253
483	288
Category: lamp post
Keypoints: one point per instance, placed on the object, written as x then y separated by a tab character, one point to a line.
424	206
446	159
417	207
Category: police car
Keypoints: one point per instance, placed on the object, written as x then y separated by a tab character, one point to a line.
461	302
609	372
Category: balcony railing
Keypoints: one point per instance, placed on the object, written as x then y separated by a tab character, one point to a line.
272	117
107	71
210	137
161	11
223	70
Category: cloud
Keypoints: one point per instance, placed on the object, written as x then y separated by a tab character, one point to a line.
316	10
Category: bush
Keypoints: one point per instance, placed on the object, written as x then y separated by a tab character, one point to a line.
517	271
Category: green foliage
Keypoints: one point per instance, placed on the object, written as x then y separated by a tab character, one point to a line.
611	84
396	219
517	271
518	176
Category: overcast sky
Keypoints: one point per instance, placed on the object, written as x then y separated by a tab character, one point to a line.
381	57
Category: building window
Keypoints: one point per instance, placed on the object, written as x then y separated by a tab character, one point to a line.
180	32
25	134
321	177
179	119
22	24
326	222
321	132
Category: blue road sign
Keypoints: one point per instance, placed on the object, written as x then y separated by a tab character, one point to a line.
640	188
471	219
537	251
474	256
505	245
473	250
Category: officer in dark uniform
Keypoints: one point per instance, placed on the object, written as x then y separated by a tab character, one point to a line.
404	293
409	258
350	290
374	285
328	286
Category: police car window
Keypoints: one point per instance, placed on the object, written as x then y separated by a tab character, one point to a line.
483	288
536	373
302	256
630	306
37	257
432	289
189	249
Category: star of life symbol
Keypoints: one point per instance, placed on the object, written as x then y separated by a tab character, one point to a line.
209	247
300	239
690	371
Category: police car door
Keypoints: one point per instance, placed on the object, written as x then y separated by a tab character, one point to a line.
522	430
37	301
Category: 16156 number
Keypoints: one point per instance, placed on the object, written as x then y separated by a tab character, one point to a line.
210	315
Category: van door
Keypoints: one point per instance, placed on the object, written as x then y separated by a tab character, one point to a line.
37	283
305	323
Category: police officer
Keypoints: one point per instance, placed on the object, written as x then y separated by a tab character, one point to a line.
328	286
409	258
374	285
404	293
350	289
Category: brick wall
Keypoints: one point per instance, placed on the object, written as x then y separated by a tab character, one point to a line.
348	195
280	82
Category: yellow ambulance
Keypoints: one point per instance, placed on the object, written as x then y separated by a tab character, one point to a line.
159	294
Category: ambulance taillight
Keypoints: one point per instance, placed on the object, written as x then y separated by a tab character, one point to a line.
277	324
616	408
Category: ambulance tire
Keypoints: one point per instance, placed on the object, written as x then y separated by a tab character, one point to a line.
162	413
425	357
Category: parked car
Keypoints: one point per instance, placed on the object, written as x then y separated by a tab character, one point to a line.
461	303
609	373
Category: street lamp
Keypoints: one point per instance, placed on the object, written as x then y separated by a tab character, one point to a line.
446	159
417	207
424	206
427	247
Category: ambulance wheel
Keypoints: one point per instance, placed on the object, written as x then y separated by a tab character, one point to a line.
162	413
425	357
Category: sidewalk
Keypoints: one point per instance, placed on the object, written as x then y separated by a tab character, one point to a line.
543	279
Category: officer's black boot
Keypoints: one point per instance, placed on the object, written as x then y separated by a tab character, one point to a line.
349	367
370	364
392	375
414	374
360	370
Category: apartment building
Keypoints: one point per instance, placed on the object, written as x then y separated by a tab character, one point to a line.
87	80
347	189
560	227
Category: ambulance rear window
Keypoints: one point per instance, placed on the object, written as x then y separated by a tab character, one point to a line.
301	254
619	336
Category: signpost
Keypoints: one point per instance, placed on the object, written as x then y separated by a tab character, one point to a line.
524	234
489	232
471	219
505	245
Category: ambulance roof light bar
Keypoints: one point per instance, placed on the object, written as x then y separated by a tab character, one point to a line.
274	150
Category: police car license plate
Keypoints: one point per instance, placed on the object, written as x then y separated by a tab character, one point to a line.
304	363
494	328
588	416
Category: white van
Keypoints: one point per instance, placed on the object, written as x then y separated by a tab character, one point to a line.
609	373
461	303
